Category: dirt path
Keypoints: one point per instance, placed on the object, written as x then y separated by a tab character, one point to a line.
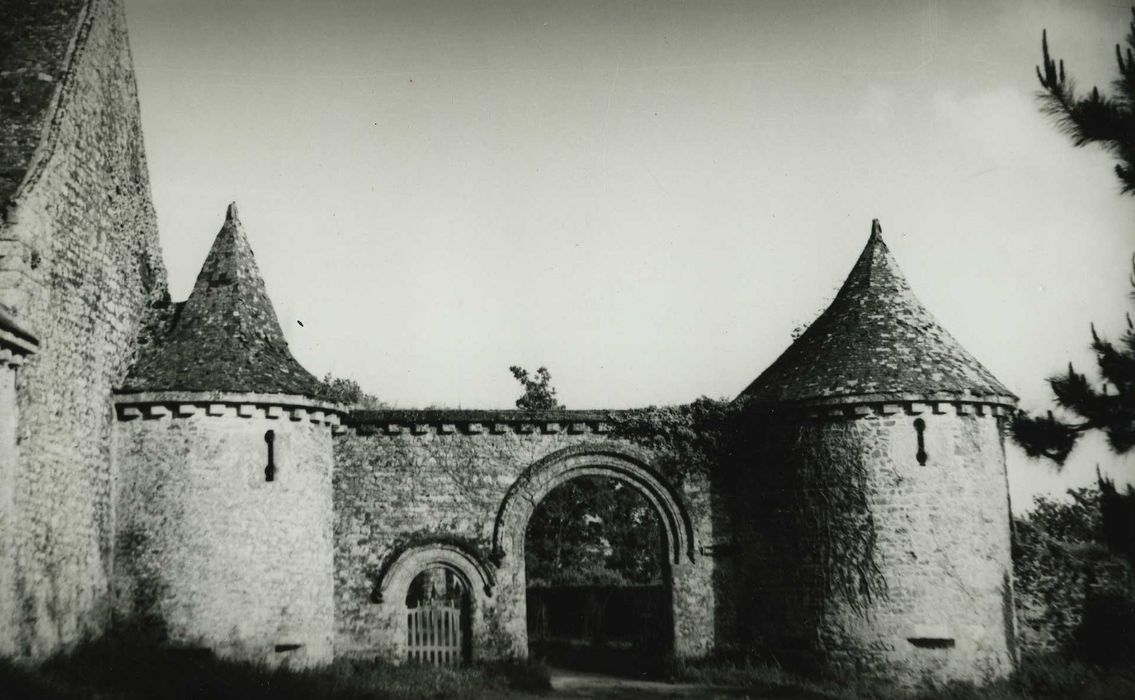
578	684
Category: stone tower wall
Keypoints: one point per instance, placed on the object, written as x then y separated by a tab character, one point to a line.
79	262
416	485
209	554
931	543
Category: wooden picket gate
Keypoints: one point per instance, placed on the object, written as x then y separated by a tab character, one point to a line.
434	632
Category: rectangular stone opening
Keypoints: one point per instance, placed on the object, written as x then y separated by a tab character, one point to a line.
932	642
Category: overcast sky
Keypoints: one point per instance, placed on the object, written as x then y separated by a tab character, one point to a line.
646	197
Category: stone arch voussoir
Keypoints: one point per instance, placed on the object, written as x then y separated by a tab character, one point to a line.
395	578
591	459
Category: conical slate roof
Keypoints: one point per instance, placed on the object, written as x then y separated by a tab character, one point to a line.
876	342
225	337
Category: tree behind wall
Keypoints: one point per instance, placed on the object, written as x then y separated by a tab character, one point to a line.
1073	590
539	394
347	392
594	530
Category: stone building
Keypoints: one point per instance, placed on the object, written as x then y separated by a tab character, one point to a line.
170	466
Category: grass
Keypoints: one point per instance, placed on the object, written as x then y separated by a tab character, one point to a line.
1050	676
120	669
113	669
1039	677
756	673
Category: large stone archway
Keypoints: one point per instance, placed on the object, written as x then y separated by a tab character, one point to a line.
603	460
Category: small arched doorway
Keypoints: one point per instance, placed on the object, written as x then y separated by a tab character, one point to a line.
438	616
433	596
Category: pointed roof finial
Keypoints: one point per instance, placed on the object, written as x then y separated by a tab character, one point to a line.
876	229
226	336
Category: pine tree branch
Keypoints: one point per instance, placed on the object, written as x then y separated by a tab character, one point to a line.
1107	121
1046	436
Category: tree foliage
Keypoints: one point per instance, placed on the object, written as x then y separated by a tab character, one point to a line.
1109	405
1108	121
1075	588
539	394
347	392
1117	518
593	530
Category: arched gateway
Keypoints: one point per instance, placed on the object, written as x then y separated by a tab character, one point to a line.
617	462
590	459
451	488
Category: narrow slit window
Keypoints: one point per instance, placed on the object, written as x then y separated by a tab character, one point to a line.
920	428
270	470
932	642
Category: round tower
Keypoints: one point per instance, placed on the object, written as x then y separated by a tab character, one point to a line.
882	542
224	460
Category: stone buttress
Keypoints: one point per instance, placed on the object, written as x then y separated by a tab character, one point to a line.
16	345
223	537
878	542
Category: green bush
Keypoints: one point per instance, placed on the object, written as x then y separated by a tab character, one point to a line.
1074	591
1106	635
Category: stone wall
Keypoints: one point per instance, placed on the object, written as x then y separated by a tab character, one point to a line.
418	482
209	554
864	561
79	262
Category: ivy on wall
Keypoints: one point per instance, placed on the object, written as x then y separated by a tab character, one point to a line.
802	487
831	514
688	439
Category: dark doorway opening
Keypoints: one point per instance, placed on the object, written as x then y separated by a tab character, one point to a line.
598	576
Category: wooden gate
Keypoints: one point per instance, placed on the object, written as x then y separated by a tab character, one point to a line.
434	632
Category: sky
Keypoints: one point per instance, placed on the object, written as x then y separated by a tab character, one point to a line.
645	197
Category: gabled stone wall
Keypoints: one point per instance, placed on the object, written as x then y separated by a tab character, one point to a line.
79	263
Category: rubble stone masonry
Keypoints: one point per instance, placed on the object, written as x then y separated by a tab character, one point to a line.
210	553
456	480
933	539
